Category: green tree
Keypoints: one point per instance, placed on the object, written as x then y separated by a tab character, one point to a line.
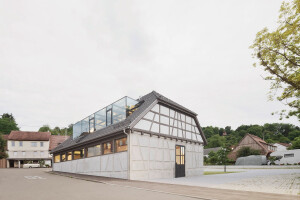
293	134
278	52
8	124
247	151
216	141
45	128
295	143
3	154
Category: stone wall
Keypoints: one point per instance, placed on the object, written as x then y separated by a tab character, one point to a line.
154	157
112	165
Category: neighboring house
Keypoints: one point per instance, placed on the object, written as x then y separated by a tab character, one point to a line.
288	157
56	140
281	146
25	146
207	151
149	138
3	162
253	142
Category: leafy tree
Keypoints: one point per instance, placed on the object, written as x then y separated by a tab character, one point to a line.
45	128
296	143
8	124
247	151
278	52
3	154
293	134
215	141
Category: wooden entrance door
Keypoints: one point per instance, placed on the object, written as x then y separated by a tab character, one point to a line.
180	161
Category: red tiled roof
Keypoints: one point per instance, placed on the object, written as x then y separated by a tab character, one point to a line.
29	136
55	140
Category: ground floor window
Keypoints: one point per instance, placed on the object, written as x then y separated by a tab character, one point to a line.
63	157
107	148
121	144
69	156
57	158
94	151
78	154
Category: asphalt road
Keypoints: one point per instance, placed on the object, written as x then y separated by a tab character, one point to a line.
37	184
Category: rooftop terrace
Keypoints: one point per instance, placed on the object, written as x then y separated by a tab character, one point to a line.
111	114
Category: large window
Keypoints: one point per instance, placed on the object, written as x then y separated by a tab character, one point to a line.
63	157
107	148
12	143
69	156
94	151
113	113
121	145
57	158
78	154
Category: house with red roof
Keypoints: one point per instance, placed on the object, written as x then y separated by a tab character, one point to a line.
31	147
253	142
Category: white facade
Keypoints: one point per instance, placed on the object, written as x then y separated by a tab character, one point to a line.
151	149
288	156
111	165
152	157
26	150
280	147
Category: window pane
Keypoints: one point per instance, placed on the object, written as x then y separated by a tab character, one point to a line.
41	144
119	110
100	119
76	129
91	123
20	143
13	143
57	158
78	154
107	148
182	160
33	144
178	160
85	125
131	106
63	157
108	117
94	151
177	150
69	156
121	145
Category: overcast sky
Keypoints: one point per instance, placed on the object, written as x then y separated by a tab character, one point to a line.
63	60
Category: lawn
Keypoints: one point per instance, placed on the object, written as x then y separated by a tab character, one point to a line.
212	173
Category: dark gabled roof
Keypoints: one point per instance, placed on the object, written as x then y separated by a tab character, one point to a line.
146	102
29	136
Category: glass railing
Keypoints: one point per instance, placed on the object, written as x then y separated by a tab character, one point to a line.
111	114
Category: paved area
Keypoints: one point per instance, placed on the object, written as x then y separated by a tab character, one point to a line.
279	181
38	184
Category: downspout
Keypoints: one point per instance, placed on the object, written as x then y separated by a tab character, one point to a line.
128	151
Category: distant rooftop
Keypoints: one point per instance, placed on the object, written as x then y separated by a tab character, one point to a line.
29	136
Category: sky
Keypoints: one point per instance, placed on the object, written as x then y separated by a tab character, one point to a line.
61	61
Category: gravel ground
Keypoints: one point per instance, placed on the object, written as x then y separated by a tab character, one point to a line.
279	181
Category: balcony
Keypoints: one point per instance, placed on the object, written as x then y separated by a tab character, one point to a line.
111	114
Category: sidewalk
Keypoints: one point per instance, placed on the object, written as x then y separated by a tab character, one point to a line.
182	190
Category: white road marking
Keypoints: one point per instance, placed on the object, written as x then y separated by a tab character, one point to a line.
34	177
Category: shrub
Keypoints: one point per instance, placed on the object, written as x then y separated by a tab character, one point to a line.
247	151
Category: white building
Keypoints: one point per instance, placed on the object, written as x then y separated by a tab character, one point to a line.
288	157
149	138
24	146
281	146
